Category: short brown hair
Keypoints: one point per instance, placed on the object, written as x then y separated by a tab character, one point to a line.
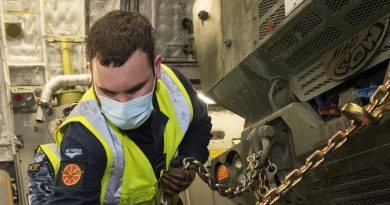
117	35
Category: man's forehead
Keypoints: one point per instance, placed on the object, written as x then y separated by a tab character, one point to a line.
130	72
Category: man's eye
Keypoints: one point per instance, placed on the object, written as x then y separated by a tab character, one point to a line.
109	93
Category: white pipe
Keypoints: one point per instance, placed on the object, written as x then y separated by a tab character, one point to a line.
39	116
154	13
54	84
43	37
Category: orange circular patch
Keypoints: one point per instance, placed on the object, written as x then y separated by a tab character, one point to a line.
222	173
71	174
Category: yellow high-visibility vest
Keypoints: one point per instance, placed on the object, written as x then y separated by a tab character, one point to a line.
52	153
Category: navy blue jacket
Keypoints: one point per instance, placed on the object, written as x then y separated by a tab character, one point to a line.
92	158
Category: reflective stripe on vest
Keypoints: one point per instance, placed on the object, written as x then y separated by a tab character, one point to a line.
53	154
181	101
129	177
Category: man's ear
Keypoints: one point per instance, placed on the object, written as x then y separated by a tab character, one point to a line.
157	66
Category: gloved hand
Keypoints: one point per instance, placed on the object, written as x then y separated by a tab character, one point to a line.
176	180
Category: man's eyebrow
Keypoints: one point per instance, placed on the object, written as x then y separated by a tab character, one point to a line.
137	87
129	91
106	90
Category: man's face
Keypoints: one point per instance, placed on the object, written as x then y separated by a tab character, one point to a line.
133	79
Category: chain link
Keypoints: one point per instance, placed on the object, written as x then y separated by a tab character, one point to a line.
317	157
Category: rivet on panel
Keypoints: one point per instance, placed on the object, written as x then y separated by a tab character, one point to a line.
228	43
203	15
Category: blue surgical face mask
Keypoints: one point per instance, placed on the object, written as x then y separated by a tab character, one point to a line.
130	114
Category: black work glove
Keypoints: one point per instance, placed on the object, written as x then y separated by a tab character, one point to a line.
176	180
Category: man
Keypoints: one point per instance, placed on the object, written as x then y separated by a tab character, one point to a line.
41	173
130	125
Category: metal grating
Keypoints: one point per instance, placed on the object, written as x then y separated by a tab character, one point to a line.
303	28
317	87
283	44
265	6
308	24
336	5
364	10
273	21
322	74
309	72
371	200
319	42
344	179
357	190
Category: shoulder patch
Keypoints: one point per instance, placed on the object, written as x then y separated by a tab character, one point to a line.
75	152
72	174
34	167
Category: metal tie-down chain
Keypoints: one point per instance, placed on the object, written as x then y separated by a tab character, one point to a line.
360	117
252	173
363	118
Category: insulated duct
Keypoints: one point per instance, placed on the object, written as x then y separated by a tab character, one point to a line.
53	85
